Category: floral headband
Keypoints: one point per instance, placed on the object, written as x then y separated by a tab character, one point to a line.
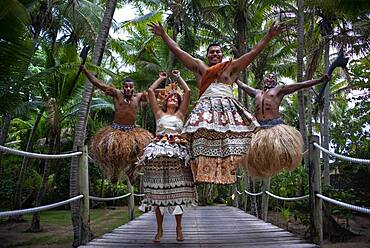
171	88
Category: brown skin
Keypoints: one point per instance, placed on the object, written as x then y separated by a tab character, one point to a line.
173	107
126	102
267	102
179	110
214	55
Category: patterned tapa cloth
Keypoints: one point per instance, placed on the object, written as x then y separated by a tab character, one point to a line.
123	127
271	123
168	180
220	130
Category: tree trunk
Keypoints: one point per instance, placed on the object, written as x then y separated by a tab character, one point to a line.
247	186
325	120
254	206
300	67
80	129
35	225
171	56
265	198
4	132
17	203
240	39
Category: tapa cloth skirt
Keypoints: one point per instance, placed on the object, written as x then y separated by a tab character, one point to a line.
168	180
220	130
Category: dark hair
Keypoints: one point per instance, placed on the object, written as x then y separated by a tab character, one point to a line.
211	45
128	80
165	100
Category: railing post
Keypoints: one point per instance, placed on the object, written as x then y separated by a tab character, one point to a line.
246	187
265	198
315	187
85	234
141	183
131	201
234	190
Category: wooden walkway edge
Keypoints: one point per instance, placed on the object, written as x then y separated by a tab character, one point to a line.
211	226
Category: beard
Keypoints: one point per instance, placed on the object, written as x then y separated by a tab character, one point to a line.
128	94
267	87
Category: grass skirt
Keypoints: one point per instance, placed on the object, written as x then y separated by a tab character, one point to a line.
116	151
272	150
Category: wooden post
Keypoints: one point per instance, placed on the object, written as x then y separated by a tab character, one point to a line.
315	187
85	235
246	187
131	201
235	193
141	183
265	198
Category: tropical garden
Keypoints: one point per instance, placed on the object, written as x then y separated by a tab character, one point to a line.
48	107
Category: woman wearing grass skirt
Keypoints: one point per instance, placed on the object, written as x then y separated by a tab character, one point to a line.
168	181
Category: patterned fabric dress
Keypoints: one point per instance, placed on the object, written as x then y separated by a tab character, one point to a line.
220	130
168	180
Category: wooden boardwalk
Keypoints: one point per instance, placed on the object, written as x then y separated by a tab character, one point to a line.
214	226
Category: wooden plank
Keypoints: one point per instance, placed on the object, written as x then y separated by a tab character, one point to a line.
216	226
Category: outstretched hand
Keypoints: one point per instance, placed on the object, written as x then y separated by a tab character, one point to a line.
156	29
176	73
276	29
162	75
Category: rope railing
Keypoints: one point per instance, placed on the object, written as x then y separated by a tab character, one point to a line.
287	198
37	155
276	196
109	198
40	208
253	194
139	195
350	159
343	204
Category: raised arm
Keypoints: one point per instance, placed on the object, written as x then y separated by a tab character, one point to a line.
242	62
186	99
288	89
249	90
151	94
109	90
193	64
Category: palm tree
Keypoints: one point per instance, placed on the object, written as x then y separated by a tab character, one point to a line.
15	48
58	89
80	129
336	20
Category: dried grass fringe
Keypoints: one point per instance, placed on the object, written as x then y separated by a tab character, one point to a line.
115	150
273	150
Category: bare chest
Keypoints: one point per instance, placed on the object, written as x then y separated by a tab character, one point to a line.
123	104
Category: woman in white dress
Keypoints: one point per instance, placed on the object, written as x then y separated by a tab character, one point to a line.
168	180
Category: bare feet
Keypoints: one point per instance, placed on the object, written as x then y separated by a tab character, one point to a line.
179	234
158	236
